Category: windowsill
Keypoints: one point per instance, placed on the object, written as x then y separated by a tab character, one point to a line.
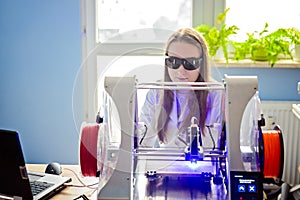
284	63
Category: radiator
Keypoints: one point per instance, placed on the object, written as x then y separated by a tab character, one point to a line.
285	115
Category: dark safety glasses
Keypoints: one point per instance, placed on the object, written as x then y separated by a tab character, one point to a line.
188	63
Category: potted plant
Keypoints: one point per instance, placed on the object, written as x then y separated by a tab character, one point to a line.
294	35
254	43
265	46
258	45
217	37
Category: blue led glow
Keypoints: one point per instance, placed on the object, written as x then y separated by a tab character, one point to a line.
193	164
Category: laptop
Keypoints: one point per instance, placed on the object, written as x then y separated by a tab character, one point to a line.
15	181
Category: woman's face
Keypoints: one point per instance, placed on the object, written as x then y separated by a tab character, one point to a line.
183	50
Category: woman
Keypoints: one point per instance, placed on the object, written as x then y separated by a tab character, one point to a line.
168	113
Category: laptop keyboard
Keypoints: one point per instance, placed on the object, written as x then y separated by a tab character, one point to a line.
37	186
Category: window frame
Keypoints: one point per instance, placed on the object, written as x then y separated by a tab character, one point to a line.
203	11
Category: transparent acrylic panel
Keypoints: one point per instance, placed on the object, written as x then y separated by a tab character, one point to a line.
109	141
171	168
149	70
249	138
180	108
144	68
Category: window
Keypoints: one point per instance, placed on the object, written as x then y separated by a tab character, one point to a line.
116	17
144	68
251	15
118	20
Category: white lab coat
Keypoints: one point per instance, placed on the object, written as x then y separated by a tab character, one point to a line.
175	134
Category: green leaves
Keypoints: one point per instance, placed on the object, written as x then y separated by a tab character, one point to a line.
260	45
217	36
270	46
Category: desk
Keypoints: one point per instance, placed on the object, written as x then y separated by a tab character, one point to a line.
69	193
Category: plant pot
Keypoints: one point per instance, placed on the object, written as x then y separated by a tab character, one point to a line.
219	55
259	54
297	52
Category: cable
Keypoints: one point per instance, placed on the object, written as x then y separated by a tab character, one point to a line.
83	184
182	140
144	135
211	136
285	190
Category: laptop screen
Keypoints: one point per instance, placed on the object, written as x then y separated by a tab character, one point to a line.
13	175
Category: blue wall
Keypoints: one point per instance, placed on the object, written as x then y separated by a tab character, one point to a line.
274	84
40	54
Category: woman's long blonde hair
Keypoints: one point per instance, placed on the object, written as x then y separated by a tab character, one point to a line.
190	36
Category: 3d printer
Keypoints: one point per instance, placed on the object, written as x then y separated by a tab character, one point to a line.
229	171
